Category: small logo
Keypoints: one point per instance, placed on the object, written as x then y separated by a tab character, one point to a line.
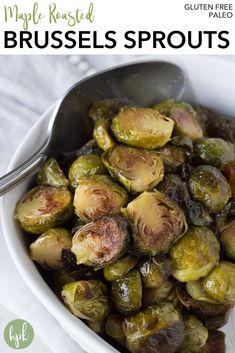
18	334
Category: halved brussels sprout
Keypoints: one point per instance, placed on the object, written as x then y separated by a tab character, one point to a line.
98	196
220	283
184	117
142	127
126	293
43	208
155	295
100	242
138	170
156	222
119	268
114	328
195	337
195	254
159	328
214	151
195	291
51	175
154	272
85	166
172	156
215	343
87	299
210	187
107	108
227	239
103	135
47	248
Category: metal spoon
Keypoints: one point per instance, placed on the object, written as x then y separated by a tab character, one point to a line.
143	83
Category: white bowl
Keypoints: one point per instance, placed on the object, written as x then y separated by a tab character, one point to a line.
211	83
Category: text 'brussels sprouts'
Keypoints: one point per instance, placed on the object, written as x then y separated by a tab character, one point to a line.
98	196
195	254
158	328
138	170
87	299
142	127
51	175
43	208
156	222
155	272
100	242
195	335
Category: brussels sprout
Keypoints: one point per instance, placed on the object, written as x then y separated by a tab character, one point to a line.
103	135
172	156
119	268
195	290
142	127
85	166
156	222
127	293
195	335
155	295
51	175
215	343
154	272
210	187
43	208
195	254
87	299
227	239
214	323
138	170
100	242
114	328
98	196
47	248
107	108
96	326
159	328
214	151
220	283
184	117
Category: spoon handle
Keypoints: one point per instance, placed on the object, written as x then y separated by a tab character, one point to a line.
24	171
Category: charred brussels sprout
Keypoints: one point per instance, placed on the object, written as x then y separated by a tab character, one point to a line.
107	108
195	335
47	248
227	239
142	127
155	272
195	290
87	299
214	151
184	117
43	208
103	135
156	222
114	328
173	157
138	170
155	295
98	196
119	268
159	328
100	242
85	166
195	254
210	187
51	175
127	293
220	283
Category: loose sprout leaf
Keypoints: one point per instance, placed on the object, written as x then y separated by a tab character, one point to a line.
52	175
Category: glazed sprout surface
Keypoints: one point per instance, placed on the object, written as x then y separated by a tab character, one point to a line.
135	230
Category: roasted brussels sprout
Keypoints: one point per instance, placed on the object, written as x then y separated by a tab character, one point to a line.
173	157
100	242
220	283
154	272
103	135
155	295
158	328
227	239
127	293
214	151
210	187
85	166
114	328
156	222
98	196
195	290
142	127
119	268
107	108
43	208
47	248
215	343
138	170
195	254
87	299
195	335
184	117
51	175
